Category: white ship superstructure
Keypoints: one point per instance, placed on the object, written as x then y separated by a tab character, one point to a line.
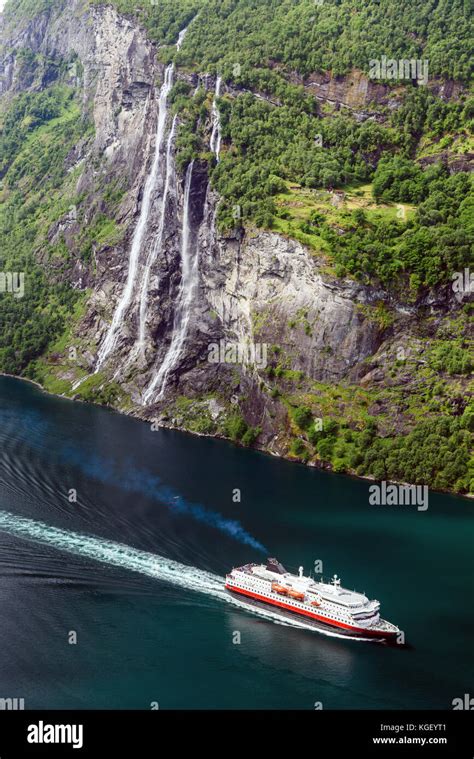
328	603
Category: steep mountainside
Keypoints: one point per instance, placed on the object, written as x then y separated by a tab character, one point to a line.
227	224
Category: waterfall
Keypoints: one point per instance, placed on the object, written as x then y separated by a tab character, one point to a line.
215	147
216	137
189	280
189	268
138	236
181	37
156	249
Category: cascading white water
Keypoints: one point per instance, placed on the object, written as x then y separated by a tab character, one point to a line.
216	136
189	268
181	37
156	249
189	281
215	147
111	338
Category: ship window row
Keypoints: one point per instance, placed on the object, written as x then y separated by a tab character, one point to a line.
264	583
299	603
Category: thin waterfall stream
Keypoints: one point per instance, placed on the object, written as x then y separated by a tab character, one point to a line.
189	281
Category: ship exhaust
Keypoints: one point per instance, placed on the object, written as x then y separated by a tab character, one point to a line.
151	565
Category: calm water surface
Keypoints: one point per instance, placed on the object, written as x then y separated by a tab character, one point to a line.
141	640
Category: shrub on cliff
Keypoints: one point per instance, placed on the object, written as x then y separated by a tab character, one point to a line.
235	427
302	417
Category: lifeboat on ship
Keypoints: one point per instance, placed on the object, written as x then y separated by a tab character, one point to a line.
315	603
279	589
296	594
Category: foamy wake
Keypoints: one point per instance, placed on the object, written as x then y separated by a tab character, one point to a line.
152	565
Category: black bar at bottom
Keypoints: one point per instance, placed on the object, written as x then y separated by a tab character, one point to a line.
145	734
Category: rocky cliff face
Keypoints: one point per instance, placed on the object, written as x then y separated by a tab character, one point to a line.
250	292
263	277
114	64
361	94
258	285
222	313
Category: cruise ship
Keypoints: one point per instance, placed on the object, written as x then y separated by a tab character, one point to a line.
324	605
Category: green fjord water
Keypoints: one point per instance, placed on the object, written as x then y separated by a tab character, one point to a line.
135	569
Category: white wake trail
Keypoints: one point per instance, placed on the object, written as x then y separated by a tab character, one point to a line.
112	553
152	565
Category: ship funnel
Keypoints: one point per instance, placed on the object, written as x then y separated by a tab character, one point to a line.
274	566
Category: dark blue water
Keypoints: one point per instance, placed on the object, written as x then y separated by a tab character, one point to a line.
142	640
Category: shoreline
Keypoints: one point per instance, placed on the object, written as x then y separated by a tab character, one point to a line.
323	468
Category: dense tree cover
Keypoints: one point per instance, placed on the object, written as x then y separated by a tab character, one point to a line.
27	112
29	324
307	36
337	35
36	134
422	113
431	247
163	19
437	452
237	429
399	178
271	143
452	357
193	116
16	10
302	417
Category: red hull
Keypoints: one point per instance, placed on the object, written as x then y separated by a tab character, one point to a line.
303	612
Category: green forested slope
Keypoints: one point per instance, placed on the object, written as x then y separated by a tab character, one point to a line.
334	35
36	134
311	35
406	221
